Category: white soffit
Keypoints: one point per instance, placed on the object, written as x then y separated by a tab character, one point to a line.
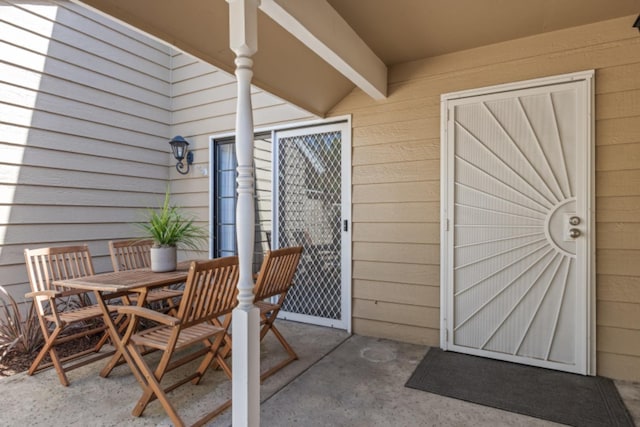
283	65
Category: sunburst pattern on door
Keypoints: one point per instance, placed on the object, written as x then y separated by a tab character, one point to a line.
514	252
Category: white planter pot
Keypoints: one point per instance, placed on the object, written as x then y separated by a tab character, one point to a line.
164	259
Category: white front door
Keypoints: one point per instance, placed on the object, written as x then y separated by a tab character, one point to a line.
517	240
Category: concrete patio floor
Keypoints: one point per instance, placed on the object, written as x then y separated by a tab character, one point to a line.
340	380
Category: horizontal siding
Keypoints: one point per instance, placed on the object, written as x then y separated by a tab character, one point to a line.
52	121
89	60
408	171
409	253
84	122
396	232
396	152
394	331
412	315
188	89
26	215
616	288
23	83
63	233
406	212
32	62
619	365
617	131
396	188
621	341
421	191
100	180
201	97
401	293
195	113
143	153
40	195
412	274
617	157
104	111
22	159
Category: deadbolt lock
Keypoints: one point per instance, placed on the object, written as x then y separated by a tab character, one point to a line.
574	220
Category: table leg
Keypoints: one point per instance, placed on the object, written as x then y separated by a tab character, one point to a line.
121	351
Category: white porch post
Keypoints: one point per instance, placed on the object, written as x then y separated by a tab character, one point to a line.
243	33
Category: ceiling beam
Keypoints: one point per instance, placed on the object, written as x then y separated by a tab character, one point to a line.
316	24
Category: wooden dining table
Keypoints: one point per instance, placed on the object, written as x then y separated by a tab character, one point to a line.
118	284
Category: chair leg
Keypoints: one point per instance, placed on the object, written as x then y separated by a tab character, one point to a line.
62	376
225	349
217	352
45	348
103	340
153	388
49	347
211	415
284	342
270	326
214	349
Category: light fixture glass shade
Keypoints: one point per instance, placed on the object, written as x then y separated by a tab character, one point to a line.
180	148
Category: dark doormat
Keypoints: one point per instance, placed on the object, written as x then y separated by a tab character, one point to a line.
542	393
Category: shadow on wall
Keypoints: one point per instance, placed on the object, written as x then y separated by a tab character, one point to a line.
86	115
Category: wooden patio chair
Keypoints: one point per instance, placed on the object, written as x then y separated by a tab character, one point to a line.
210	293
274	280
64	314
135	253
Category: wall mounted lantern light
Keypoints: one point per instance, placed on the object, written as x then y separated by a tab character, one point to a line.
180	148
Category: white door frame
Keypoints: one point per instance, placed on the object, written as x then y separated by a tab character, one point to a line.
586	269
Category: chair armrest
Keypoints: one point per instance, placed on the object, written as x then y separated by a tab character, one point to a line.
148	314
48	294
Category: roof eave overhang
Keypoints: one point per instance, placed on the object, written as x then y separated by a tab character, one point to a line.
307	54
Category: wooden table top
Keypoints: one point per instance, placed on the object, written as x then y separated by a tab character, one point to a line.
127	280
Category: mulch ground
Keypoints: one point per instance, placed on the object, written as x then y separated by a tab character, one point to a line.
14	363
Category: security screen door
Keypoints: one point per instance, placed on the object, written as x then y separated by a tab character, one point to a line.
312	209
517	237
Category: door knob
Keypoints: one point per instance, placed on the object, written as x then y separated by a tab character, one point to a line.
574	220
574	233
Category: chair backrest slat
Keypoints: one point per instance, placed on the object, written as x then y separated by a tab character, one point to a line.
210	290
130	254
277	271
45	265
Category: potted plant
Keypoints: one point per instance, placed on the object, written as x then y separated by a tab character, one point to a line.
170	229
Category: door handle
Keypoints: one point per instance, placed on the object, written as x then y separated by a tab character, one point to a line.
574	233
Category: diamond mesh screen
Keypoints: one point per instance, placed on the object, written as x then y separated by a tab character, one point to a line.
309	214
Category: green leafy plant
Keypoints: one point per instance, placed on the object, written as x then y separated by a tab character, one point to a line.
17	333
169	226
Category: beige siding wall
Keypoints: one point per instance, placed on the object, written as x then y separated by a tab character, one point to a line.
84	119
396	158
204	104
